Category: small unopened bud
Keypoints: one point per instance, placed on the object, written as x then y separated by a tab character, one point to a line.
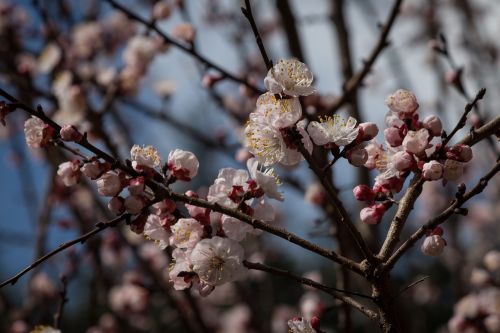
461	153
432	170
433	125
136	186
357	156
372	214
91	169
315	321
368	130
363	193
70	133
393	136
116	205
184	31
433	245
402	102
402	160
134	204
209	80
161	10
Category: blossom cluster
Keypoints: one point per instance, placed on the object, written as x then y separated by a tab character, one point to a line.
411	146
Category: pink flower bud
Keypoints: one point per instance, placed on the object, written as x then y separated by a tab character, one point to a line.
315	322
70	133
433	245
372	214
461	153
402	102
363	193
393	136
416	141
357	156
109	185
368	130
136	186
433	125
91	169
69	172
184	31
134	204
402	160
116	205
315	194
432	170
453	170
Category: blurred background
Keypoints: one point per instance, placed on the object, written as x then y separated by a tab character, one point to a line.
174	104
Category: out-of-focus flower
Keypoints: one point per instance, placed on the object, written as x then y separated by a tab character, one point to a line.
156	229
300	325
139	51
116	205
186	233
291	77
37	133
218	260
333	130
49	58
491	261
86	39
433	245
69	172
128	298
45	329
453	170
315	194
234	228
70	133
91	169
185	32
161	10
134	204
183	164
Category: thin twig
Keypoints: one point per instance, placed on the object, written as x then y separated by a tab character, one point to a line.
62	301
411	285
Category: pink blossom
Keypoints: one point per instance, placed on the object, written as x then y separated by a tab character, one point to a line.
128	298
432	170
91	169
69	172
433	245
315	194
161	10
184	31
183	164
372	214
375	151
416	141
37	133
461	153
433	125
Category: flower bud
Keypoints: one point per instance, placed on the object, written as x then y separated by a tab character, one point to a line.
116	205
134	204
416	141
393	136
402	102
432	170
372	214
70	133
182	164
69	172
109	185
357	156
368	130
184	31
161	10
315	194
402	160
433	245
136	186
91	169
461	153
433	125
363	193
453	170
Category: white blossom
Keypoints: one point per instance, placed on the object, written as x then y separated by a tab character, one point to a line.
333	130
228	188
279	113
156	230
300	325
144	157
128	297
186	233
265	178
109	184
139	51
69	172
183	164
291	77
181	263
218	260
234	228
